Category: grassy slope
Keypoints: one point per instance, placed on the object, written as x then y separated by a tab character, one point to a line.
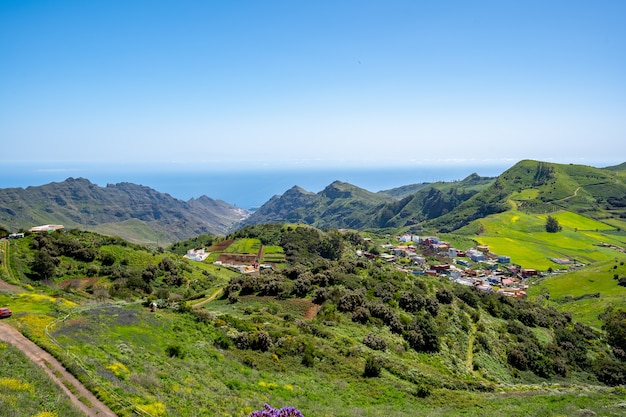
126	352
567	292
124	349
523	237
25	389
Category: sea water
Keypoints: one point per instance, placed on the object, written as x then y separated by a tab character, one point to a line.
245	188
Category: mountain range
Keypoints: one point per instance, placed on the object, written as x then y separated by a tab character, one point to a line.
141	214
131	211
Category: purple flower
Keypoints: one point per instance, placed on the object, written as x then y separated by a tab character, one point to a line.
268	411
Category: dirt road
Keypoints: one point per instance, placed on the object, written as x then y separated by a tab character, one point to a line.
52	367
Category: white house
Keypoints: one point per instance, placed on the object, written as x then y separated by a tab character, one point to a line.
196	255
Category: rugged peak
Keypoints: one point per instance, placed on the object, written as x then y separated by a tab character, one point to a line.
296	189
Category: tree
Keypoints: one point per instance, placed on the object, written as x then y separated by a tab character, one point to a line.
552	225
43	265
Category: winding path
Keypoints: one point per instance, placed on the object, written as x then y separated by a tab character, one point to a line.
91	406
208	300
569	197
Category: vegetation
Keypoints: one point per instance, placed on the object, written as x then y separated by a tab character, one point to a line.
25	389
552	225
330	331
398	344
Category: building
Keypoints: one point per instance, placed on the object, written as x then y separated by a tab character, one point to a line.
503	259
196	255
475	255
49	228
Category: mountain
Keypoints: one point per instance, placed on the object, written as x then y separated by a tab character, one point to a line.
429	202
471	182
344	205
141	214
132	211
543	187
339	205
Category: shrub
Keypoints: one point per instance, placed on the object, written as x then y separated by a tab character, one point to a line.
372	367
175	351
222	341
361	315
273	412
467	295
261	341
444	296
610	372
411	302
375	342
517	359
350	301
432	306
421	335
422	391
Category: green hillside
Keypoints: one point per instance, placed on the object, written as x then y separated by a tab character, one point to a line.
523	237
586	292
328	333
542	188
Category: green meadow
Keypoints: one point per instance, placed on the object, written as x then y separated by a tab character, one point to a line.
523	237
26	390
586	292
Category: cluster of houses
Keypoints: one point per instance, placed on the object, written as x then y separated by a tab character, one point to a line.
476	267
245	264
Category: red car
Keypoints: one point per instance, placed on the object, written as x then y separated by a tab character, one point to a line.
5	312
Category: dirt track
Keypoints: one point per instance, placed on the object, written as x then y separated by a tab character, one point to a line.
52	367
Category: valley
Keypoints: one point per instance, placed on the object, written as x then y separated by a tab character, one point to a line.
343	303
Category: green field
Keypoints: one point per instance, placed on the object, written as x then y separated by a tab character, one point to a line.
523	237
575	291
246	246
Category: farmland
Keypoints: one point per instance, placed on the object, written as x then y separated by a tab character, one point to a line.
523	237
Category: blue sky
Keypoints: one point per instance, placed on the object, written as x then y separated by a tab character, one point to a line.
312	83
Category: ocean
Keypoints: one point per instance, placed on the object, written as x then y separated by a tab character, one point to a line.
247	188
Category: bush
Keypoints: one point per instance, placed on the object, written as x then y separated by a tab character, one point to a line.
372	367
610	372
350	301
261	341
421	335
411	302
422	391
273	412
445	296
361	315
375	342
175	351
517	359
467	295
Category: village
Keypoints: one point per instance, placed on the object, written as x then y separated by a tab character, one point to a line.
476	267
427	256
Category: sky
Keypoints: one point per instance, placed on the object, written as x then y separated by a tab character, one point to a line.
339	83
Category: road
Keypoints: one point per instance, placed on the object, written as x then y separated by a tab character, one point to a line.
57	373
53	368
